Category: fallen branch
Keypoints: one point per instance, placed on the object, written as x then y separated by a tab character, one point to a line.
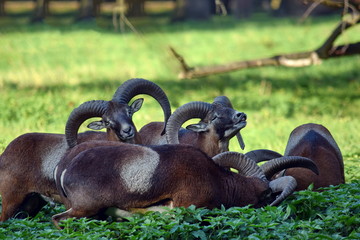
301	59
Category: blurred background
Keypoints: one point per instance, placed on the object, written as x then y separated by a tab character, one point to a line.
179	9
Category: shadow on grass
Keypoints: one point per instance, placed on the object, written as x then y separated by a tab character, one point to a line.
154	22
335	85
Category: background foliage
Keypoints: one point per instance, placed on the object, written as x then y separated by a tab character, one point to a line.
48	69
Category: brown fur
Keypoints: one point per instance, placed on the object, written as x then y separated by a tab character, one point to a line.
21	171
212	134
150	134
315	142
209	141
184	176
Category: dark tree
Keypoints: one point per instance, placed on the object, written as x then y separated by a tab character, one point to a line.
190	9
2	7
242	8
89	9
40	11
136	8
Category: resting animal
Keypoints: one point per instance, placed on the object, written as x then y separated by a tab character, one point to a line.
127	176
312	141
219	123
116	114
28	162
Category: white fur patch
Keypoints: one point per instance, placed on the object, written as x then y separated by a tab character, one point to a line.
51	158
117	213
49	200
138	172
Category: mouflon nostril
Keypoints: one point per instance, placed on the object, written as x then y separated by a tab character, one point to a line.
241	116
127	130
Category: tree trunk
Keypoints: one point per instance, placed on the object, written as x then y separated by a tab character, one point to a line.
189	9
40	11
2	7
242	8
136	8
89	9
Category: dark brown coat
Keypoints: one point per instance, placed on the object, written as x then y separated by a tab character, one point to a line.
314	141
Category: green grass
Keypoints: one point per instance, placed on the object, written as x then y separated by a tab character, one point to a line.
48	69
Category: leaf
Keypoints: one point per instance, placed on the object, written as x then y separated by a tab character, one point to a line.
199	234
174	229
288	212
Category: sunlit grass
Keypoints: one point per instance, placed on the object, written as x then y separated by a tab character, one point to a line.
85	61
48	69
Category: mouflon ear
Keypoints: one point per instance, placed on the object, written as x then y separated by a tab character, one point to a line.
136	105
97	125
198	127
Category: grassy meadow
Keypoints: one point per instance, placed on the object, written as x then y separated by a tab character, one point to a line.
47	69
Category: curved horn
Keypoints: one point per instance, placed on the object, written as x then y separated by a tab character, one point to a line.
225	101
240	162
276	165
182	114
286	185
260	155
136	86
94	108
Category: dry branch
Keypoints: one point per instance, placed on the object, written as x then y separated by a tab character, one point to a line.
301	59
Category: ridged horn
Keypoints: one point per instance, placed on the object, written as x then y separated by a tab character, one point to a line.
260	155
286	185
136	86
276	165
182	114
94	108
240	162
225	101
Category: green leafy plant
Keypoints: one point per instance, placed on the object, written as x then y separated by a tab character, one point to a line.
48	69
